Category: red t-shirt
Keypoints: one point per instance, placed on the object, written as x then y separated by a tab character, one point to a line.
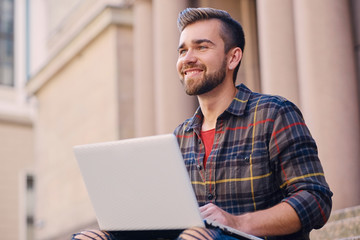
208	139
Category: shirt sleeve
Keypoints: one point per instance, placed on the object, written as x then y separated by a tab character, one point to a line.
298	168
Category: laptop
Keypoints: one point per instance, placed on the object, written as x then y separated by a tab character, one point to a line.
141	186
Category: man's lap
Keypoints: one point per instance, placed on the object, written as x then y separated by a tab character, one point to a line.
189	234
205	234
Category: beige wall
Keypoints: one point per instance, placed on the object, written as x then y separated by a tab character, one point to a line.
16	157
86	101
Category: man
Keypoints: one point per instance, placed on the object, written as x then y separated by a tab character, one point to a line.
251	159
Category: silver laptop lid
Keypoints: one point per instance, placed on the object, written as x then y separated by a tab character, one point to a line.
139	184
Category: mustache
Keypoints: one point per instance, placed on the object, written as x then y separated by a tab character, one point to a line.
191	65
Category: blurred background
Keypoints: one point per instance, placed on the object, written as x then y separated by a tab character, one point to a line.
83	71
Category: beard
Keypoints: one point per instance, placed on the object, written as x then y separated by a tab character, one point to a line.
206	83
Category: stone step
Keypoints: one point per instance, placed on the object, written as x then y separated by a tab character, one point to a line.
351	238
343	224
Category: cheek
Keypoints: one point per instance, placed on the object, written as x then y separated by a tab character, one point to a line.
178	66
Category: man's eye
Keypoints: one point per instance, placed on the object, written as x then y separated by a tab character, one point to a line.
202	47
182	51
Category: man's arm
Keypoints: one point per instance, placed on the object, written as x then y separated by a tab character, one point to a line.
298	169
278	220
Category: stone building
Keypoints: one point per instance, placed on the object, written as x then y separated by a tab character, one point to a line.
89	71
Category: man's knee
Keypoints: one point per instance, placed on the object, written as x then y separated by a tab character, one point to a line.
92	235
197	234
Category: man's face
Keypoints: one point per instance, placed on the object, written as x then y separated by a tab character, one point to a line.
201	63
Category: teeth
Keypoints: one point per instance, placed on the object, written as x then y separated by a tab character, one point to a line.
191	72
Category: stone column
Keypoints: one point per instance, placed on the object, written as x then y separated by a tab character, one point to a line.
172	104
277	49
355	7
328	88
143	69
249	72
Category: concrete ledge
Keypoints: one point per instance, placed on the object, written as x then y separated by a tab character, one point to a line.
343	224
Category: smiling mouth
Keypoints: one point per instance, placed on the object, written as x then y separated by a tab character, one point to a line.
192	72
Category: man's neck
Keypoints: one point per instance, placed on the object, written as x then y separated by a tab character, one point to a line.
215	103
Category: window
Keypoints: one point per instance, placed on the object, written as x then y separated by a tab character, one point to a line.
7	42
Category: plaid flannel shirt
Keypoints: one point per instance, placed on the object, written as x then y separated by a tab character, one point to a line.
263	154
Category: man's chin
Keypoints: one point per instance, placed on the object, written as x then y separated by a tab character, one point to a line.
197	91
189	90
190	93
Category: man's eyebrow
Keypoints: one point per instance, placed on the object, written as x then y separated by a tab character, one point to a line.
181	46
197	41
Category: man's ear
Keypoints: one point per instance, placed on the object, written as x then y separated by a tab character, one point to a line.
235	55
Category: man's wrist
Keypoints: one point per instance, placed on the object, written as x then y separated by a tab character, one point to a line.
244	222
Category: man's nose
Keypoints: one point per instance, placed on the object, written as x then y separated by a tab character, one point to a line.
189	57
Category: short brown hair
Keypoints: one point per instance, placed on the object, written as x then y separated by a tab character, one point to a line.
231	31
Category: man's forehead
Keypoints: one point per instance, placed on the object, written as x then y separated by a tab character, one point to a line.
204	30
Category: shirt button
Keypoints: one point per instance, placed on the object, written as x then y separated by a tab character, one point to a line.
210	196
199	167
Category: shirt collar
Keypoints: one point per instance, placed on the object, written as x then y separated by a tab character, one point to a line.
239	103
236	107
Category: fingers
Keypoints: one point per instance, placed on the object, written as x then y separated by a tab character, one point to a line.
214	213
92	235
208	210
207	206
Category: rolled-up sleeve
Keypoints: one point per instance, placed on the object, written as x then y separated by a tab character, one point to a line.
299	171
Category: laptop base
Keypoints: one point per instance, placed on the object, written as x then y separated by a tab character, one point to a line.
147	234
160	234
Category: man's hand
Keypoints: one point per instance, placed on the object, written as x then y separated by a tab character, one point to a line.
278	220
212	212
